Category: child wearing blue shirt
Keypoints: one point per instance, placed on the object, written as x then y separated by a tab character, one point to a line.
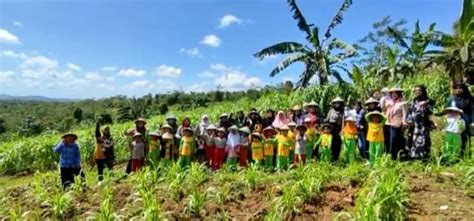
69	159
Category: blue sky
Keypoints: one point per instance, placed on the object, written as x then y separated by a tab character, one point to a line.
93	49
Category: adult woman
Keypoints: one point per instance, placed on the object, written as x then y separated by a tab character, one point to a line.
312	112
372	104
224	121
186	123
240	120
361	124
172	121
202	127
463	100
335	118
268	120
104	152
396	119
280	120
253	120
139	128
419	123
298	117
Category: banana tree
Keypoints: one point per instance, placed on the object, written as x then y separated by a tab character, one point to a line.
321	58
458	56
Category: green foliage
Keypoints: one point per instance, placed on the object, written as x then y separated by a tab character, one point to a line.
29	127
78	115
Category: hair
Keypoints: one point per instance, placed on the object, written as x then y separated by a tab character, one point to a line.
184	120
424	93
466	93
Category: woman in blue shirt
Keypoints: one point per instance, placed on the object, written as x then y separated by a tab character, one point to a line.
69	159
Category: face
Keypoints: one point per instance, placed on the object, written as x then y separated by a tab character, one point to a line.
137	138
166	129
453	114
154	138
106	130
240	114
269	114
223	118
220	134
140	124
205	119
417	91
284	132
292	128
337	104
394	95
458	91
371	106
357	107
376	119
210	132
377	95
233	132
327	130
171	121
311	109
69	139
301	131
187	122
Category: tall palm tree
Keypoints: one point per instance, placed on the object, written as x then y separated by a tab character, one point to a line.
317	56
134	109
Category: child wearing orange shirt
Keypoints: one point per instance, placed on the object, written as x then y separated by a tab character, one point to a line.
376	121
349	138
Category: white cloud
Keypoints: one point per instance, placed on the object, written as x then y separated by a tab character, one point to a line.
8	38
38	66
131	73
233	80
109	68
218	67
165	85
110	79
207	74
12	54
229	20
6	77
93	76
168	71
193	52
211	40
139	84
73	67
18	24
200	87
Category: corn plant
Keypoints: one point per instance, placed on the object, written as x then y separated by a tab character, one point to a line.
61	202
197	174
286	204
106	210
151	208
252	176
196	202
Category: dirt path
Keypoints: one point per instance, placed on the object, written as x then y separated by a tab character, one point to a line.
438	199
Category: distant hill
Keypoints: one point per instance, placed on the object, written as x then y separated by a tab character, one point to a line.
33	98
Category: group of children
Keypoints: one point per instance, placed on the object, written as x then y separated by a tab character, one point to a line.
270	148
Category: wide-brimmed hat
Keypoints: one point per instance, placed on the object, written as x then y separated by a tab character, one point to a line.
311	104
156	134
291	124
297	107
166	126
269	128
301	126
337	99
168	136
373	113
307	120
453	108
221	129
70	134
211	127
395	89
384	90
350	118
137	134
326	125
233	127
140	120
244	130
170	117
371	101
256	135
284	127
188	129
224	115
253	112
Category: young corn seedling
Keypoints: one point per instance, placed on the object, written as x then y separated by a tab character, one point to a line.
287	204
106	210
151	207
197	174
252	176
196	202
61	203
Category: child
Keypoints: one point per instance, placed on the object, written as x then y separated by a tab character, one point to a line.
324	142
137	151
154	148
455	125
283	148
269	146
104	151
257	149
232	145
201	149
220	143
69	159
300	147
187	146
210	146
375	136
311	137
244	145
349	138
292	136
167	144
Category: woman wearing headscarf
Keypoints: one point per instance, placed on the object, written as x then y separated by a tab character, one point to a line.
186	123
203	124
280	120
396	120
335	118
463	100
419	124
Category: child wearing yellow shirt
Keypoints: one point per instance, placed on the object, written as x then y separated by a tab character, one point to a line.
311	137
257	149
375	136
269	145
292	136
283	148
186	148
349	138
154	149
324	143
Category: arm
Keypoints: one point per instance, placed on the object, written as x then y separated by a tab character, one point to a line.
77	155
59	148
461	124
97	130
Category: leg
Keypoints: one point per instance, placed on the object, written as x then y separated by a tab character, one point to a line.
336	146
66	177
100	169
